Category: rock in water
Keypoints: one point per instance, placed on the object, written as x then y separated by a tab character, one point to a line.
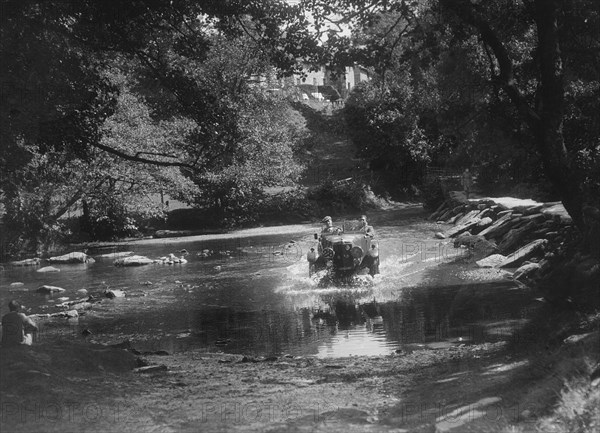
48	269
27	262
75	257
492	261
133	261
114	294
50	289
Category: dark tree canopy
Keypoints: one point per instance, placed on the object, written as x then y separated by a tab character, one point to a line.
95	92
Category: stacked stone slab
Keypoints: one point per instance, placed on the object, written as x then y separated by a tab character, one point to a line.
514	238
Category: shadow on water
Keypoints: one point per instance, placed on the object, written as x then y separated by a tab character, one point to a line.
253	296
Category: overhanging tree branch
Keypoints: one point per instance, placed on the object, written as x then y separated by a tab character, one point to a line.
465	10
139	159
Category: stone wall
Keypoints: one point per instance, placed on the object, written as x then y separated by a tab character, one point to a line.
535	240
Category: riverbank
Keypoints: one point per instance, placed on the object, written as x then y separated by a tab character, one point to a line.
506	385
481	387
540	244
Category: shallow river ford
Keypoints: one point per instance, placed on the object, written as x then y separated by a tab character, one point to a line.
253	296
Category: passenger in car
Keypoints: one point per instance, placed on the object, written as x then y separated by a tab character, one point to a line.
364	227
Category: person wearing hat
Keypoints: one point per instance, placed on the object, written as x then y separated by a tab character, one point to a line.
17	328
329	228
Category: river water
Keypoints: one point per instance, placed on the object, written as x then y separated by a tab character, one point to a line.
253	296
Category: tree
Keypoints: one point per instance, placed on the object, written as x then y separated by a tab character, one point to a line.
539	58
125	100
545	115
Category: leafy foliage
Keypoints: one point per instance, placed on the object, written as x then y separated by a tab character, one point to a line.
133	99
504	85
341	195
384	124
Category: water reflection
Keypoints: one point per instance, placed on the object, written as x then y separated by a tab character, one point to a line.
253	296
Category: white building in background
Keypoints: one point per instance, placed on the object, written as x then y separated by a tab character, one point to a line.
343	83
318	85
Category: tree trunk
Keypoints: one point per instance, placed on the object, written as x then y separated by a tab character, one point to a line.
545	122
559	168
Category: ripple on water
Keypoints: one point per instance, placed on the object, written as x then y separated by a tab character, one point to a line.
261	303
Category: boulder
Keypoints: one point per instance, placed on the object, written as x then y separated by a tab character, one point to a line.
439	235
111	294
27	262
445	215
49	289
458	209
455	218
75	257
523	254
71	314
437	212
478	245
80	306
461	228
492	261
484	222
526	204
537	217
74	302
533	209
48	269
551	203
487	212
17	284
467	239
559	213
501	226
133	261
525	270
516	236
469	216
542	232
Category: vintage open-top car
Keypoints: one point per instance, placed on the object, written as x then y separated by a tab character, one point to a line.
345	252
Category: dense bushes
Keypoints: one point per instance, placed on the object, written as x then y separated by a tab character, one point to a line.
384	124
107	219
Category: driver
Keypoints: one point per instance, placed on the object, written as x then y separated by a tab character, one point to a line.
329	228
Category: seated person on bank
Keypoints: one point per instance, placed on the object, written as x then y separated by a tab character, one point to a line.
364	227
329	228
17	328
